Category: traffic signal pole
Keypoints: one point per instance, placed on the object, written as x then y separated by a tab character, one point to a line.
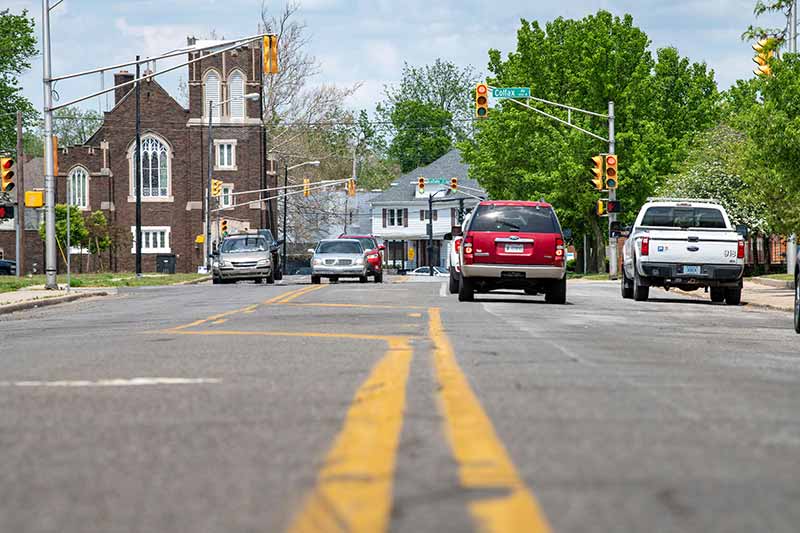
612	196
20	213
791	243
50	268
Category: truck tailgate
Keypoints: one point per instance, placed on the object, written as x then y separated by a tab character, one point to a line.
700	247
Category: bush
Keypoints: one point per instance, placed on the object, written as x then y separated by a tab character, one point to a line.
571	265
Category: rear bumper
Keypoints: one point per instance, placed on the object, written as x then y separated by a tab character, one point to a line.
672	274
505	271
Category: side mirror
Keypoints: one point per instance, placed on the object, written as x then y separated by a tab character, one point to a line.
742	230
567	234
448	236
311	251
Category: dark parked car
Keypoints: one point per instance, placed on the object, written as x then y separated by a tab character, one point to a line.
8	268
275	250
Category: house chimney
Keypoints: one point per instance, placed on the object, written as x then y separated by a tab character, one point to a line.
122	76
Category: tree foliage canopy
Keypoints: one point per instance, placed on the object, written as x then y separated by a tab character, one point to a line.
17	46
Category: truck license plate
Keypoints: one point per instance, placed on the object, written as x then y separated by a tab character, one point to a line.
514	248
691	269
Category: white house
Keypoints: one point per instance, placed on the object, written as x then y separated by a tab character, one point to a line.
400	214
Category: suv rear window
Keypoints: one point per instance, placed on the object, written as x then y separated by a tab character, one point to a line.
522	218
684	217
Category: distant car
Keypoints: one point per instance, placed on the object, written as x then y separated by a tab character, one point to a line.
425	271
243	257
514	245
274	248
338	258
453	260
374	252
8	268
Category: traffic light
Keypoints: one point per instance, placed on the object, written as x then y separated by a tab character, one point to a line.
421	185
6	211
223	227
601	208
454	184
6	174
611	172
765	50
481	100
596	163
216	188
614	206
270	49
306	187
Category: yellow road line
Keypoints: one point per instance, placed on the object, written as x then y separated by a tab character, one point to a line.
361	306
482	459
305	334
353	492
220	321
291	295
298	294
415	315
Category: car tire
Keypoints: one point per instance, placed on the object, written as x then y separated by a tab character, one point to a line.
379	277
466	290
733	296
271	278
626	286
454	284
717	294
362	279
640	292
796	303
530	291
215	280
258	281
333	280
278	274
557	293
315	280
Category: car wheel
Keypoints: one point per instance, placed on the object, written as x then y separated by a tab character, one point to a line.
379	277
717	294
796	303
626	286
333	280
557	293
733	296
315	280
453	285
258	281
362	279
271	278
215	280
640	292
466	290
279	274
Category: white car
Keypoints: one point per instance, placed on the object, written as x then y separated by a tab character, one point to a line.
684	243
425	271
454	257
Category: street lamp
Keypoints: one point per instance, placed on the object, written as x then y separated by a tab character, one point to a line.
287	168
211	106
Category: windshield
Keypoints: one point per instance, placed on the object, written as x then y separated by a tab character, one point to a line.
339	247
244	244
521	218
684	217
367	243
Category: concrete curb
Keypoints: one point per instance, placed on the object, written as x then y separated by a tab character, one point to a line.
777	283
44	302
194	281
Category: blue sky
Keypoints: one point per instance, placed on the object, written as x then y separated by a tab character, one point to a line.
366	42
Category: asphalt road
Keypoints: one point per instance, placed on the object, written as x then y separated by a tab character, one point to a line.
392	407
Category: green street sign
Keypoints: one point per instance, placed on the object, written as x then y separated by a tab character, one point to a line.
511	92
437	181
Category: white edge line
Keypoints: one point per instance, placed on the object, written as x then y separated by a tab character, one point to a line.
132	382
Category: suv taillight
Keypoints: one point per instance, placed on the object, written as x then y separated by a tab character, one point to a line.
468	257
458	245
740	250
645	246
559	250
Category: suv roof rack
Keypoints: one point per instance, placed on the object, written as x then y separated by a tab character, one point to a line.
695	200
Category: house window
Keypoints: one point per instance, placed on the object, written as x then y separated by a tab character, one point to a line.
78	187
211	94
391	217
155	168
424	215
226	198
236	94
155	239
226	155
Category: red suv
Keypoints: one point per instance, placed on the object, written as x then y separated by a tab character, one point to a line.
513	245
373	252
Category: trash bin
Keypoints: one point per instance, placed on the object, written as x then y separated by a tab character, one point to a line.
165	263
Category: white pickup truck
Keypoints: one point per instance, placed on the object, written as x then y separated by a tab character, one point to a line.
684	243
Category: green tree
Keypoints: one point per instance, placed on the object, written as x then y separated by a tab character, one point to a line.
421	134
74	126
98	236
17	46
79	235
660	103
717	168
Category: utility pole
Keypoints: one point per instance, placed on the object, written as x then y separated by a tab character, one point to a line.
208	184
49	186
285	190
137	166
20	214
430	234
612	196
791	244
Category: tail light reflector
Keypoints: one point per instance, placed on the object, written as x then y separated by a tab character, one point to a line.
645	246
740	250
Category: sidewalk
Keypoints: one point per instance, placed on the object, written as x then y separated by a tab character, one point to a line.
767	296
37	296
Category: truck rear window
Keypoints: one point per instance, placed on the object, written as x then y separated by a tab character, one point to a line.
526	219
684	217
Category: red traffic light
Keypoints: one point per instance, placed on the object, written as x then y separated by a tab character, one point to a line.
482	88
6	164
614	206
6	211
611	160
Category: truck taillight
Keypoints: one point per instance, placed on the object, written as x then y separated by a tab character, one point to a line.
458	245
740	250
559	250
468	258
645	246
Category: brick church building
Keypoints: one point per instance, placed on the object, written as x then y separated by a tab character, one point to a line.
174	155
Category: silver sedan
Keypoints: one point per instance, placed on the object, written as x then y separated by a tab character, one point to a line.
338	258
